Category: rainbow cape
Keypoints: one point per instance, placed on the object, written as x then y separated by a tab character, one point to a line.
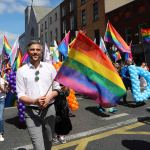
88	71
112	36
146	35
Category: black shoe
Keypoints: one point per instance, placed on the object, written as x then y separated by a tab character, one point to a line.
140	103
71	115
125	102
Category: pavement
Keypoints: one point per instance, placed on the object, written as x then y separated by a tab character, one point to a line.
88	121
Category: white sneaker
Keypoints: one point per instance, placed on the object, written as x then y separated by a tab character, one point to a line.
62	139
1	138
55	139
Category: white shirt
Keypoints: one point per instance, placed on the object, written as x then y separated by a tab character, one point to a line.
2	83
26	84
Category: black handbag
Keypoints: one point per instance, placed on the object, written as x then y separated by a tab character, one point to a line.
63	123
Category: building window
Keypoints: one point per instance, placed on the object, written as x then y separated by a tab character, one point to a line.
41	27
55	16
95	11
46	37
72	23
50	19
83	17
51	36
42	38
32	33
64	26
63	11
128	35
45	25
56	34
83	2
71	5
97	36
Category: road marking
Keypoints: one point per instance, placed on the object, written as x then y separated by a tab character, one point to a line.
7	108
90	132
28	147
101	129
82	143
115	116
136	132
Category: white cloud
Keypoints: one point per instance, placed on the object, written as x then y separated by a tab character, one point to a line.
3	7
39	2
9	6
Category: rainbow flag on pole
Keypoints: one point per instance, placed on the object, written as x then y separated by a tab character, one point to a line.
146	35
5	55
112	36
116	56
6	48
14	51
18	61
63	46
88	71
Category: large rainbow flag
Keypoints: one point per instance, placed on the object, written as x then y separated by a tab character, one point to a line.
89	71
146	35
112	36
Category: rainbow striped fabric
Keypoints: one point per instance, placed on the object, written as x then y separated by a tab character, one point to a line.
14	51
63	46
25	58
88	71
146	35
6	48
116	56
17	62
112	36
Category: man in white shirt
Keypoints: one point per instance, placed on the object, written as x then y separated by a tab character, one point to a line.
37	89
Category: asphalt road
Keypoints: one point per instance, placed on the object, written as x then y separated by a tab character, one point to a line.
88	122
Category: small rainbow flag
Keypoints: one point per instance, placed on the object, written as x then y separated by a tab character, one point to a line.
112	36
17	62
116	56
6	48
146	35
88	71
63	46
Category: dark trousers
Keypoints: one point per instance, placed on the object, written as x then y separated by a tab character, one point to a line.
127	84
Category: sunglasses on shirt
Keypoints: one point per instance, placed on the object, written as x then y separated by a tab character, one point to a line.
37	76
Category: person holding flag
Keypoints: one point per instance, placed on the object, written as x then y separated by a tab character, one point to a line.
37	89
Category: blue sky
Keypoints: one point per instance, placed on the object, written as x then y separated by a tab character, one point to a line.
12	16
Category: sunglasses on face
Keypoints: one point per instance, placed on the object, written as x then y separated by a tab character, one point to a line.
37	76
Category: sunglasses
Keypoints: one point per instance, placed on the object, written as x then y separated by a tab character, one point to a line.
37	76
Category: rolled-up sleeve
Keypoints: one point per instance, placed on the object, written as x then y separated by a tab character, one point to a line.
20	85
